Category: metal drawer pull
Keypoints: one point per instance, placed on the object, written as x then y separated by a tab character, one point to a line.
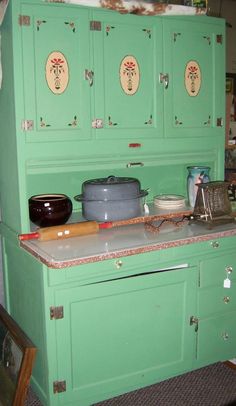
130	164
215	244
226	299
118	264
225	336
229	270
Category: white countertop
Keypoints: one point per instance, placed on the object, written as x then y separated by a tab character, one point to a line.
121	241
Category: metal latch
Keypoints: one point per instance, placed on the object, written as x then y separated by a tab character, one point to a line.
24	20
56	312
27	125
219	122
194	320
164	78
59	386
88	75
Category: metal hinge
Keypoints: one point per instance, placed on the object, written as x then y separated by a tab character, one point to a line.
219	122
24	20
59	386
95	26
27	125
219	39
56	312
97	123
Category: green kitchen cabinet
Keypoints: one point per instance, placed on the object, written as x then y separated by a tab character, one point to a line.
56	53
128	55
89	93
142	331
216	307
97	93
109	327
193	95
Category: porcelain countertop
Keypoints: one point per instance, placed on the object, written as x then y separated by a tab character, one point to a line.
121	241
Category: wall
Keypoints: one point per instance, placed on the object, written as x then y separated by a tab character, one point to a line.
227	9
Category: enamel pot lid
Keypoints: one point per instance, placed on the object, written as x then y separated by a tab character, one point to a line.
111	188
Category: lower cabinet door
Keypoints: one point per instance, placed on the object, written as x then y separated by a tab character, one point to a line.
217	338
122	334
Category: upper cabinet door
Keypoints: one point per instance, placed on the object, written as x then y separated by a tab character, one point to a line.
127	57
56	54
194	62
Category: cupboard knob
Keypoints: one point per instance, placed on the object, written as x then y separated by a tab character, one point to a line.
118	264
215	244
226	299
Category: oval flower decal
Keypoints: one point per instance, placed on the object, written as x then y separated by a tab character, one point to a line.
192	78
129	75
57	72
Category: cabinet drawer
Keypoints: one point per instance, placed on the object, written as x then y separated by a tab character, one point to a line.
122	267
214	271
216	299
216	338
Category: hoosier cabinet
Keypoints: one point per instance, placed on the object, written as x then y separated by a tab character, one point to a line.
87	93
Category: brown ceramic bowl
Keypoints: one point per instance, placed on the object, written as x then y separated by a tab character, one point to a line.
49	210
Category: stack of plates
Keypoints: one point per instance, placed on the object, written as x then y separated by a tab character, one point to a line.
169	201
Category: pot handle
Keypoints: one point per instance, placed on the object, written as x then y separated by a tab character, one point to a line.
144	192
79	198
111	179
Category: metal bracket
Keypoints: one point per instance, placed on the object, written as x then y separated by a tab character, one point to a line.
24	20
97	123
27	125
219	39
59	386
95	26
56	312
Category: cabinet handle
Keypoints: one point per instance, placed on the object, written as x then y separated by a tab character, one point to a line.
215	244
225	336
88	75
226	299
130	164
229	270
164	78
118	264
194	320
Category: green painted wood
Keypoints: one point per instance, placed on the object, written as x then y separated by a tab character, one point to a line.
57	116
120	334
126	114
62	149
186	114
216	338
131	349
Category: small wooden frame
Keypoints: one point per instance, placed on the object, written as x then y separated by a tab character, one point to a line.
17	354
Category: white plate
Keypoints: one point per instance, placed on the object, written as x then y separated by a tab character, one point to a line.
169	201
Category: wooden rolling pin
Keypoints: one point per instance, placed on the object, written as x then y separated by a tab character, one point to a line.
92	227
65	231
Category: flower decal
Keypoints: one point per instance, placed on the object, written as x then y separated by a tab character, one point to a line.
129	75
57	72
192	78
